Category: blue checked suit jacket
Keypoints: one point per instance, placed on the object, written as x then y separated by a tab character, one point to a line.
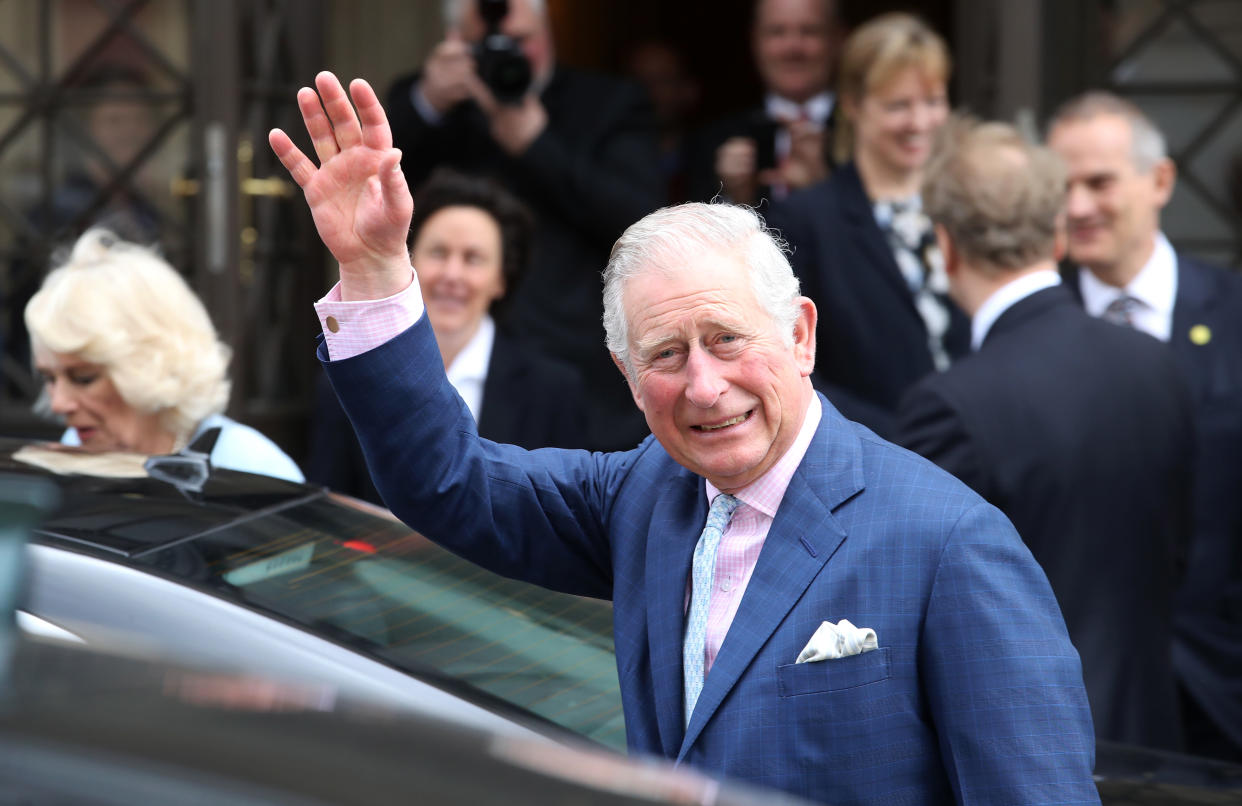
975	694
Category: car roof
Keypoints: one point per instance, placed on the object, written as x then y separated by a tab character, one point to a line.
156	513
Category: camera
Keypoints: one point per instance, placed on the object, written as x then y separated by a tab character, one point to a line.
498	58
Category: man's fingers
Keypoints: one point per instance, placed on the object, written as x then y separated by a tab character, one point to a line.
392	182
481	94
340	112
317	125
376	132
296	163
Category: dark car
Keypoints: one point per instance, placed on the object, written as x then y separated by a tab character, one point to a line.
223	570
262	575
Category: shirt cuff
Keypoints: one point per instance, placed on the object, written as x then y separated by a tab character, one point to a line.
421	105
351	328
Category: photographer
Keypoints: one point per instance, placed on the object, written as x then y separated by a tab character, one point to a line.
579	149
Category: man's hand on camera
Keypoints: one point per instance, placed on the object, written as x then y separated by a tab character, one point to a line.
735	166
449	74
513	126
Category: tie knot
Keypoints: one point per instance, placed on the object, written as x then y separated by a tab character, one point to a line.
1121	311
721	510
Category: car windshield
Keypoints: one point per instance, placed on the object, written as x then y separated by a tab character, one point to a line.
367	581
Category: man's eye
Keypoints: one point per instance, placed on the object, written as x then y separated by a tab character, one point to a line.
664	354
82	380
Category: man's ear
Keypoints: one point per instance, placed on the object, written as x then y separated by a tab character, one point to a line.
630	381
804	336
952	259
1165	176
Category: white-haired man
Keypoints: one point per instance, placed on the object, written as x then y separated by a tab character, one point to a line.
1126	271
797	603
578	148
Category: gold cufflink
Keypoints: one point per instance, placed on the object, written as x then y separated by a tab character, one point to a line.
1200	335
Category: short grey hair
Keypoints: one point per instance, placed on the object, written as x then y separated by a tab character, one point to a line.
1147	145
998	195
453	10
668	238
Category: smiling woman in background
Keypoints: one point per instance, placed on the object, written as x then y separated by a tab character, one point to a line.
470	243
131	362
863	249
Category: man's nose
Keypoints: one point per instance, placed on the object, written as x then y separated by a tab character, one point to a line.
704	382
1078	202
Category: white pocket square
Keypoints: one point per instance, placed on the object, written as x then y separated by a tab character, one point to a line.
838	640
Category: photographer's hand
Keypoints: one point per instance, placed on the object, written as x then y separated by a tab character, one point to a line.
805	165
735	166
357	195
448	74
513	126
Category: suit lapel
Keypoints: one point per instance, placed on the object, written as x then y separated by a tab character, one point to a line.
1190	307
676	521
803	537
868	236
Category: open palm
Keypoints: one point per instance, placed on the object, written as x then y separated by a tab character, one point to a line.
357	196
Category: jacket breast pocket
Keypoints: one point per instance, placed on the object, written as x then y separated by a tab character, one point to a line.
816	677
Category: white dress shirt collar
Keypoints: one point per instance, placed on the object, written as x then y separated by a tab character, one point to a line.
1155	286
468	371
817	108
1005	298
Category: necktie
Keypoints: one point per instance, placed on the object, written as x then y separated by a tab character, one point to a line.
1121	310
703	572
912	240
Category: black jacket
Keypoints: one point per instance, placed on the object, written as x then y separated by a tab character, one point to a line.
1082	433
1206	339
870	340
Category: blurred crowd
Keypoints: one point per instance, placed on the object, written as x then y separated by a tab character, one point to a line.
1010	310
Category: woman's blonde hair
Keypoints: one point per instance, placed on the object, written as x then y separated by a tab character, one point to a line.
123	307
875	53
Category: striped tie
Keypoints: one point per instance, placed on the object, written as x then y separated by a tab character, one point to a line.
1121	310
702	575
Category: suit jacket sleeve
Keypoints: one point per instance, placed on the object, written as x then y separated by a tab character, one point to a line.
930	426
1004	683
537	516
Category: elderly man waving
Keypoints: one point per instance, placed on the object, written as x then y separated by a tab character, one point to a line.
753	515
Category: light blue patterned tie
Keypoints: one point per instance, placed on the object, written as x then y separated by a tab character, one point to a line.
703	572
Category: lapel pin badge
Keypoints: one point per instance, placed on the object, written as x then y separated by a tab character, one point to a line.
1200	335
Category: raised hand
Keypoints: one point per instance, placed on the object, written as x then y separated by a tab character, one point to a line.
358	195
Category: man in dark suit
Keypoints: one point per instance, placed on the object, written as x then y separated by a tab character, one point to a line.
1079	431
784	143
1125	270
850	624
578	149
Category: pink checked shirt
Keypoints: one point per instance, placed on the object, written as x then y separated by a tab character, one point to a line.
743	538
350	328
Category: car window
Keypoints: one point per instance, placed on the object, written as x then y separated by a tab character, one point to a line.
370	582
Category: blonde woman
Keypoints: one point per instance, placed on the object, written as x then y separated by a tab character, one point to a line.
863	248
131	362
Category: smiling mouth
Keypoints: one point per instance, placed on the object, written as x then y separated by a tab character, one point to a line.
727	423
